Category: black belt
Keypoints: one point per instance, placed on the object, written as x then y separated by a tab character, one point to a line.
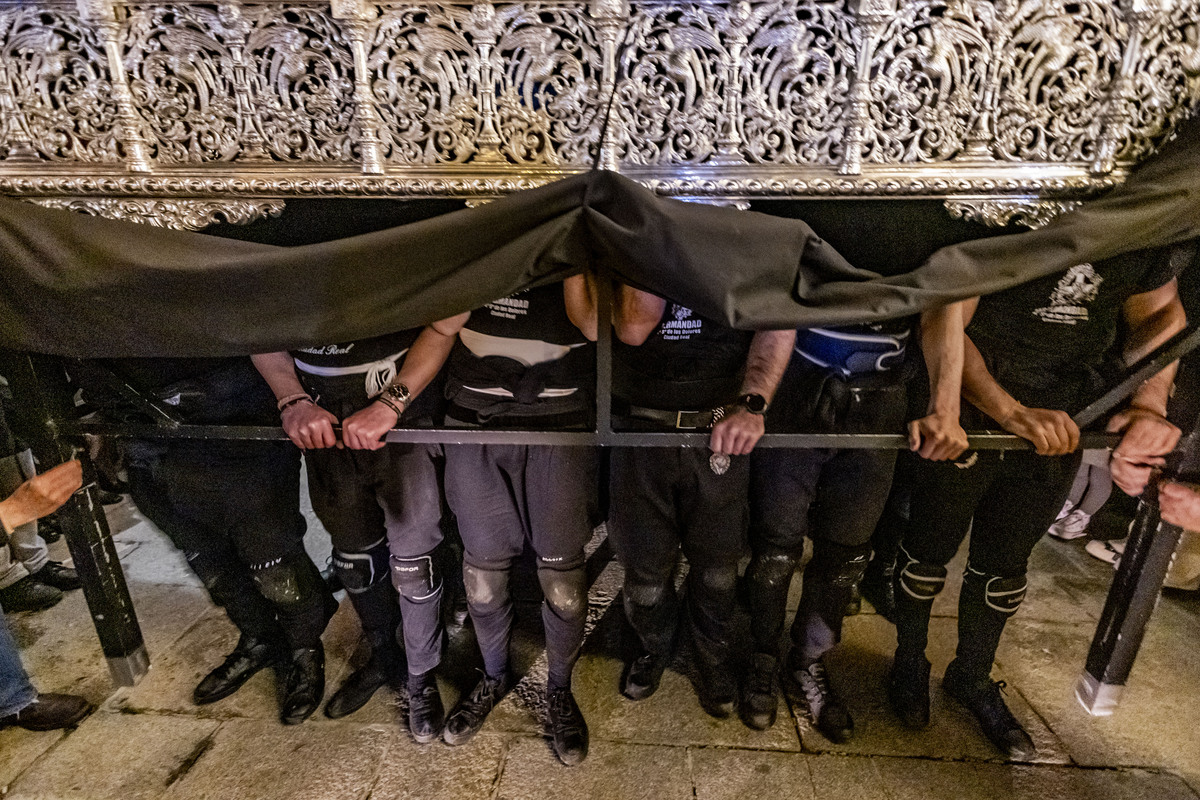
567	420
681	420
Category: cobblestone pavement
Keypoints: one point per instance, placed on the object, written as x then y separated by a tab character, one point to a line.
151	742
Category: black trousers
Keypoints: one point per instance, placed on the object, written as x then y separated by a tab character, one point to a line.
833	496
1012	497
667	500
504	496
233	509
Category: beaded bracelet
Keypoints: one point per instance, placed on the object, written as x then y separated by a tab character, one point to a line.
292	399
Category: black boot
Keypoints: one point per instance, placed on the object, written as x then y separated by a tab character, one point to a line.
641	676
878	588
908	691
303	685
385	667
568	729
426	717
982	698
472	711
716	688
828	712
759	704
250	656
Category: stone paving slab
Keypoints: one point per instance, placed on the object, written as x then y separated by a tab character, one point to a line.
613	771
740	774
117	756
410	771
19	749
1155	724
265	760
858	670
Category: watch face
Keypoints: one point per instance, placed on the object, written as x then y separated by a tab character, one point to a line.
754	403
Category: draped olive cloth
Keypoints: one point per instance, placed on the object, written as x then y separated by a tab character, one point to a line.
87	287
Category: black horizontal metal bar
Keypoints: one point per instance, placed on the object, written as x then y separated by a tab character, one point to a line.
981	440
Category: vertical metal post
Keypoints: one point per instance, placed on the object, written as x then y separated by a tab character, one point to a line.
1134	593
604	334
42	397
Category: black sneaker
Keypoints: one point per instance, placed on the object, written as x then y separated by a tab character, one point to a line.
468	717
759	704
908	691
303	685
250	656
426	716
55	574
28	594
984	701
828	712
642	676
568	730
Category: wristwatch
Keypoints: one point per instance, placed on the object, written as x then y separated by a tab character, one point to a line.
754	403
396	397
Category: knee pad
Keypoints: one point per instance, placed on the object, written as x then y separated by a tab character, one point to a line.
644	594
565	590
720	578
279	581
773	569
487	589
919	581
208	570
839	565
360	571
999	594
415	578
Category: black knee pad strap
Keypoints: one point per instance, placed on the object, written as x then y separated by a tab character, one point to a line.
360	571
919	580
1002	594
416	579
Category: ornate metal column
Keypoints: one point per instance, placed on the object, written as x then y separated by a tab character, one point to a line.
103	13
356	17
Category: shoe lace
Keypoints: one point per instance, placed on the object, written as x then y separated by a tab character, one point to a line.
479	703
421	702
1075	522
566	721
815	684
761	680
996	709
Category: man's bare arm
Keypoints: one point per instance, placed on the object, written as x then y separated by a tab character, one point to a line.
766	362
309	426
365	429
581	297
1052	432
636	314
1151	318
938	435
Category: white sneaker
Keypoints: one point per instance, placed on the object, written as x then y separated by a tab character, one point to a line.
1066	509
1072	526
1109	552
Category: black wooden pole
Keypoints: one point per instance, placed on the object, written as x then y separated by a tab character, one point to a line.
42	396
1135	590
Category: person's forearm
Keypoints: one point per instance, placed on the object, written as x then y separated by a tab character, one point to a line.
766	362
279	371
942	343
426	357
636	314
981	389
581	297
